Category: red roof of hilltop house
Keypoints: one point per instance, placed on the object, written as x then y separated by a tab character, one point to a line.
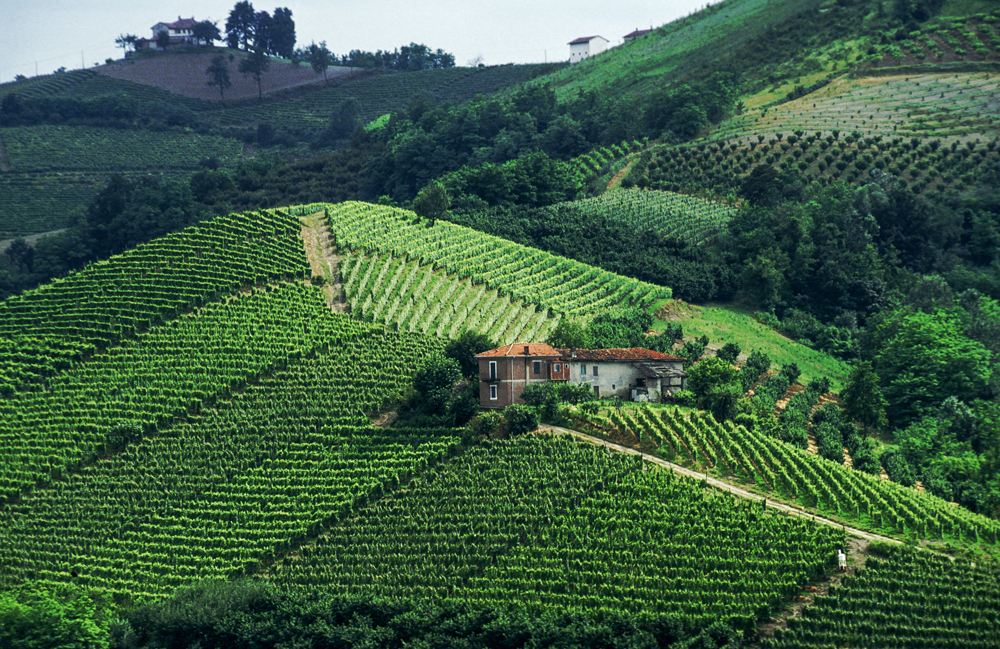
626	355
521	349
585	39
637	33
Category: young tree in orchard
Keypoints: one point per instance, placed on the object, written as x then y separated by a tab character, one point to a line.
206	32
319	58
218	75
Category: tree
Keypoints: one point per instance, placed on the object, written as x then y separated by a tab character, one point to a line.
218	75
715	386
729	352
67	617
163	40
240	26
464	349
206	32
435	381
256	64
125	41
569	333
319	58
263	33
432	202
520	419
282	33
862	397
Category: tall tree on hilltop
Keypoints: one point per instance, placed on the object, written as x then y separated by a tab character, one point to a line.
240	26
206	32
218	75
282	33
262	32
319	58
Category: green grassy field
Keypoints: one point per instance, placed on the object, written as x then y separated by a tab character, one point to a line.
723	324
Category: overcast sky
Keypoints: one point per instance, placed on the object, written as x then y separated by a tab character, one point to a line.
51	34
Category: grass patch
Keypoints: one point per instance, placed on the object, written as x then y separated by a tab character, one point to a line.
727	323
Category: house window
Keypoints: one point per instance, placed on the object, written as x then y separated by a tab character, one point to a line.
558	368
595	371
493	370
597	391
536	367
583	370
493	393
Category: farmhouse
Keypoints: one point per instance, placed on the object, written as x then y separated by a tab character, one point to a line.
180	32
635	373
636	34
585	47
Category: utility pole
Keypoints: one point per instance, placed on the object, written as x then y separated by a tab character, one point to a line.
83	66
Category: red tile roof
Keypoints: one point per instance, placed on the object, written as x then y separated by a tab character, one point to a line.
585	39
631	354
518	349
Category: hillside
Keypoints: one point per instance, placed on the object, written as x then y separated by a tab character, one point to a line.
238	399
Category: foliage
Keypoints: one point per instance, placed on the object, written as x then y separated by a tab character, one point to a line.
435	381
862	397
729	352
464	349
619	328
319	57
255	65
520	419
67	617
218	75
432	202
569	333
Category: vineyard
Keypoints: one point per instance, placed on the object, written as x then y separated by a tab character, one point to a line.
671	215
541	523
415	298
774	467
383	94
50	327
94	149
523	274
45	202
238	485
902	598
922	164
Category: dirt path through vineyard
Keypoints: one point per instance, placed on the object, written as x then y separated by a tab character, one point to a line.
723	486
323	260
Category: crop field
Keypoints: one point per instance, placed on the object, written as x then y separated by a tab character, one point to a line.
922	105
83	148
798	476
520	524
43	202
415	298
902	598
48	328
924	164
946	40
524	274
382	94
675	216
219	494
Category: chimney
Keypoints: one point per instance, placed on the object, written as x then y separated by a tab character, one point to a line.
527	350
572	353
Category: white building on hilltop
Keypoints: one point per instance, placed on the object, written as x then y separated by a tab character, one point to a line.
585	47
